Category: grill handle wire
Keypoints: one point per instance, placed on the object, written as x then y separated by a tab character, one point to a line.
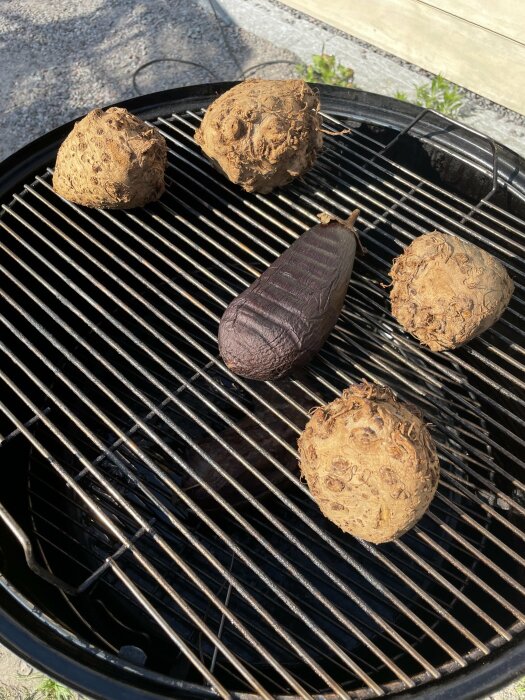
453	122
35	567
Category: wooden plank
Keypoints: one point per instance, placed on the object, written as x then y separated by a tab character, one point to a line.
505	17
476	58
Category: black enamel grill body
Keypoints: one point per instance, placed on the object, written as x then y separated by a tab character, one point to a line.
156	540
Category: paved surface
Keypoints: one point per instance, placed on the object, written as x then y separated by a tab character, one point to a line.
59	58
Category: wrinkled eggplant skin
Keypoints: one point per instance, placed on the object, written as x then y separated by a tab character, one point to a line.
283	319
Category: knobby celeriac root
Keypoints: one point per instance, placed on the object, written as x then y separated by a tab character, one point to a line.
263	133
446	291
111	160
369	462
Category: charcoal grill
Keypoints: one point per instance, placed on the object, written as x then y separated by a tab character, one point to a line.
133	563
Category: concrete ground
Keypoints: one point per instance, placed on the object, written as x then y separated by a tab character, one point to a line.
61	58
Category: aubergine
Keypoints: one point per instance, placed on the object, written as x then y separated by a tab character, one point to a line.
281	321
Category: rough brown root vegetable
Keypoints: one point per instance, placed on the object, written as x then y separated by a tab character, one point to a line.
263	133
369	462
111	160
446	291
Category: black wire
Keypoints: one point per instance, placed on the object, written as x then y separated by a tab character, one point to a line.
225	38
242	74
170	60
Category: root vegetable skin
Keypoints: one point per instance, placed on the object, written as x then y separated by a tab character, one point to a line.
446	291
263	133
111	160
370	463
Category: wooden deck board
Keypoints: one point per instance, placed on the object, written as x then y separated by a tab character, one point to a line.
442	36
505	17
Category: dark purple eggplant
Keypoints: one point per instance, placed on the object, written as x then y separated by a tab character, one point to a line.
283	319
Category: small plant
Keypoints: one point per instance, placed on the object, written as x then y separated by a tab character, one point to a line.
520	688
325	69
438	94
400	95
49	689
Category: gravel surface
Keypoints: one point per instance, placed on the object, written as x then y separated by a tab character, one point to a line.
61	58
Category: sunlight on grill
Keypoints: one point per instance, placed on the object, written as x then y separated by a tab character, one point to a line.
164	495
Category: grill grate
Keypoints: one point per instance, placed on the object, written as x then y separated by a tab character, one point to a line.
145	451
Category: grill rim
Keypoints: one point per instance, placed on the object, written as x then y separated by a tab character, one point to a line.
387	112
480	677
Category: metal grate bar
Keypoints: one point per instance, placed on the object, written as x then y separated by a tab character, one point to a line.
466	571
116	532
37	445
428	540
173	455
446	583
497	516
319	632
375	552
488	562
156	559
247	465
146	605
5	439
502	213
459	488
434	209
318	577
360	139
